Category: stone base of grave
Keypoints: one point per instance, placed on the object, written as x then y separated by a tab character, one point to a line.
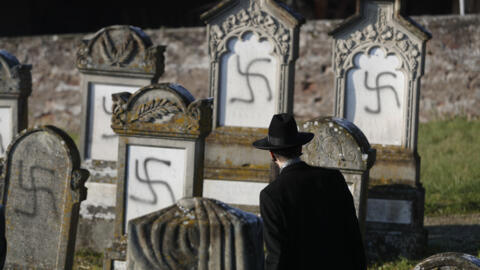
115	257
395	222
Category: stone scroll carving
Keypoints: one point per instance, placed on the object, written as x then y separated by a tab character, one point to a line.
449	261
15	78
42	190
161	108
196	233
120	48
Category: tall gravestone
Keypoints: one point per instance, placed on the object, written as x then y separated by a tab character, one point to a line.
115	59
253	45
161	152
15	87
378	61
43	186
196	233
339	144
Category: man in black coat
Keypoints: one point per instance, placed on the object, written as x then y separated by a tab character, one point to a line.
308	212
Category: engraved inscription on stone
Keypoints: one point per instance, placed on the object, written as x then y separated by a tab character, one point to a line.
155	178
389	211
34	213
248	82
102	142
374	96
5	129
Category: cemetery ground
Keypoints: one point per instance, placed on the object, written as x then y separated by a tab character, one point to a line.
450	173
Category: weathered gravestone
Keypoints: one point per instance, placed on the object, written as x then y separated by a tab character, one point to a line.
339	144
42	190
449	261
196	233
114	59
378	61
161	151
253	45
15	87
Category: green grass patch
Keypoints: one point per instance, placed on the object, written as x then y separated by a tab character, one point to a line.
400	264
450	166
87	259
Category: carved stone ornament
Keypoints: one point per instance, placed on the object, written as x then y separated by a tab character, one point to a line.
449	260
196	233
384	34
255	20
161	109
15	78
120	48
338	143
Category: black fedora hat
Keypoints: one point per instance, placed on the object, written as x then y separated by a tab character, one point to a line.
283	133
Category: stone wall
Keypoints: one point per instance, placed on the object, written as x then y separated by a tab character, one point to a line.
450	87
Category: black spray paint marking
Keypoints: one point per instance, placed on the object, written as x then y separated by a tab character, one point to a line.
149	182
34	190
2	149
248	75
104	106
378	88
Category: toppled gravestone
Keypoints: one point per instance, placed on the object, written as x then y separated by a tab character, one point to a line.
196	233
449	261
42	190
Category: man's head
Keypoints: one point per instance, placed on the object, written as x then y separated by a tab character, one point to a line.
283	140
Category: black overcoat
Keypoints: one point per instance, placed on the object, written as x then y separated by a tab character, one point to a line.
310	222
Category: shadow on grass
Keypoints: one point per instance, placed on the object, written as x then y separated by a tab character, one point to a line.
455	238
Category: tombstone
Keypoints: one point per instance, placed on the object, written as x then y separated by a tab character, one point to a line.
15	87
253	45
449	261
196	233
115	59
161	151
339	144
43	186
378	61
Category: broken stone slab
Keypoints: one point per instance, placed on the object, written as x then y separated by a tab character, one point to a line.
196	233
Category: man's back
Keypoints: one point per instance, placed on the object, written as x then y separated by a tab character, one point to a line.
310	221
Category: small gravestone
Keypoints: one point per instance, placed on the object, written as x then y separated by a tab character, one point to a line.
449	261
15	87
196	233
115	59
162	139
378	61
253	46
42	191
339	144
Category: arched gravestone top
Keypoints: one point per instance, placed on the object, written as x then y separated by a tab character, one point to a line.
42	190
196	233
161	109
120	48
15	78
338	143
449	261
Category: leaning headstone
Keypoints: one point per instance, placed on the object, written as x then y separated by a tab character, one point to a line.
42	191
115	59
378	62
15	87
449	261
253	45
196	233
161	151
339	144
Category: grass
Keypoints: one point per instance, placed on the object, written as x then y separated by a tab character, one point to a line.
86	259
450	166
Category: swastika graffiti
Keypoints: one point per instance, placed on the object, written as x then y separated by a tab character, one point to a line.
33	190
150	182
248	75
377	87
108	112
